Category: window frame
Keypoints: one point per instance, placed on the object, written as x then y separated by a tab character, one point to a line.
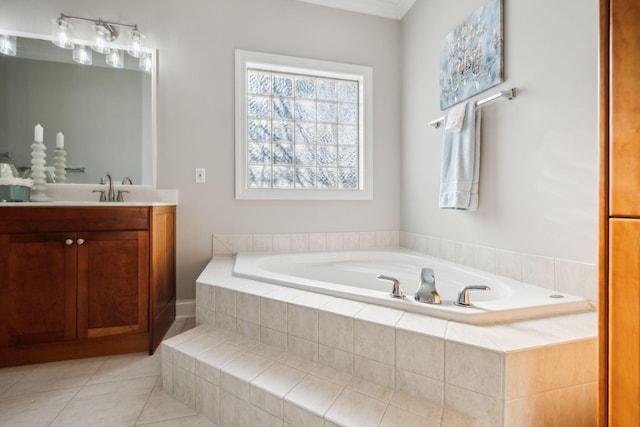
245	60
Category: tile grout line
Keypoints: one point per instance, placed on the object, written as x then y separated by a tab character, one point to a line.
65	406
146	402
444	371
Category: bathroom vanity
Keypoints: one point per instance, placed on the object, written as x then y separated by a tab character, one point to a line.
84	280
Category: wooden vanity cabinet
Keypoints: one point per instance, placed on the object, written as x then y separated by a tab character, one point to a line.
84	281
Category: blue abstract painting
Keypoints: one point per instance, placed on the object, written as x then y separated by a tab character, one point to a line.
471	55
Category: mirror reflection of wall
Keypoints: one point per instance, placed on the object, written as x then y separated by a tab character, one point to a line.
104	114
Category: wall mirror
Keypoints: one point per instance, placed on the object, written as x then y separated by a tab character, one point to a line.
107	115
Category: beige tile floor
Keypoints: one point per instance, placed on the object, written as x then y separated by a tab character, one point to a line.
113	391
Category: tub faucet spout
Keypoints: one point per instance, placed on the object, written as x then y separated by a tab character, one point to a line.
427	292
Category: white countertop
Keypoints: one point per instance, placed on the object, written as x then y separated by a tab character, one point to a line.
77	203
83	196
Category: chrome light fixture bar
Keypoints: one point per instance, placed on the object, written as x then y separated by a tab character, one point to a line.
104	33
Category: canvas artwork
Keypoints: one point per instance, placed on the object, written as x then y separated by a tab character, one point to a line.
471	55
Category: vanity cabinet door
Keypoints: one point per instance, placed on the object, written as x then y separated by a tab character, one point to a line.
113	283
38	288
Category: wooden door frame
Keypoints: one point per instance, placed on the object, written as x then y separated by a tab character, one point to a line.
603	237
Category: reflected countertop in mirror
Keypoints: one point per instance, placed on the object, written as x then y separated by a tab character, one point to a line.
107	115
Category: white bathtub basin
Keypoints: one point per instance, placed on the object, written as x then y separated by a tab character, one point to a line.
352	274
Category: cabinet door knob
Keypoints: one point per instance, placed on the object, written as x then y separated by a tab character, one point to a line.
80	241
68	242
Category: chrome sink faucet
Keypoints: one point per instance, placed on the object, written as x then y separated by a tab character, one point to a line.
427	292
111	196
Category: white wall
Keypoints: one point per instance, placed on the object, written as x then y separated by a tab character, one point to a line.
196	41
538	182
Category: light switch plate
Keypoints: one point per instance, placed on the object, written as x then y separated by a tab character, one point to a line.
201	175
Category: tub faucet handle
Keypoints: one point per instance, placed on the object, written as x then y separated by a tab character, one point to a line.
427	292
463	299
396	292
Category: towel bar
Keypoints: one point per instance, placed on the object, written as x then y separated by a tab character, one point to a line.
509	94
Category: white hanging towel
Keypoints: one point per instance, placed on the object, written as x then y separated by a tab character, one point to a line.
460	169
455	118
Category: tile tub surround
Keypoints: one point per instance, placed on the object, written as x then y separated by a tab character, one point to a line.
536	372
575	278
231	244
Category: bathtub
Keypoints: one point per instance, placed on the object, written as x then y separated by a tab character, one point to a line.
353	275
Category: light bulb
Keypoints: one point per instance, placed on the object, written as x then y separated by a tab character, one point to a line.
115	59
136	44
8	45
62	34
100	39
145	63
82	55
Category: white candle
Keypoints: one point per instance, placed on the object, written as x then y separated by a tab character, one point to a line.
60	141
39	133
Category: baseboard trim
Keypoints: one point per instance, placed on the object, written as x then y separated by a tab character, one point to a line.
185	308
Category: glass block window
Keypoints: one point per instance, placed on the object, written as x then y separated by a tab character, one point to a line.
301	130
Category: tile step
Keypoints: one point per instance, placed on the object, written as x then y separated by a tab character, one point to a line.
237	381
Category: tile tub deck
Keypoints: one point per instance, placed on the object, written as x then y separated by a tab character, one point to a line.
289	357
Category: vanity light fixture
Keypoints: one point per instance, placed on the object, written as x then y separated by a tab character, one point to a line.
104	33
8	45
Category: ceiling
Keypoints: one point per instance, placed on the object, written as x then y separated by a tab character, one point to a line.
394	9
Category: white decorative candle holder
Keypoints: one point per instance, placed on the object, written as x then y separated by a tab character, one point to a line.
60	165
39	190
